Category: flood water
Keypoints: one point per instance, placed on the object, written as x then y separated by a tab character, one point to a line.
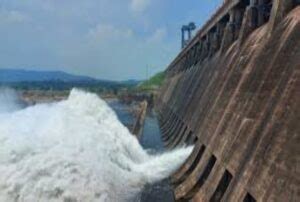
151	141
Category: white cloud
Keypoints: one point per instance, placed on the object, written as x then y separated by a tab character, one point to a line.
99	38
139	6
105	32
158	35
12	17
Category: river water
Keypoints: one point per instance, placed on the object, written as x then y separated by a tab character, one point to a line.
151	141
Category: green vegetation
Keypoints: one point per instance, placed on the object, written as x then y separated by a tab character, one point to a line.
153	83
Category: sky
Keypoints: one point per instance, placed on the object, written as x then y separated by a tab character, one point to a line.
105	39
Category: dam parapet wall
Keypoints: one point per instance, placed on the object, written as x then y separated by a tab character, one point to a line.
233	92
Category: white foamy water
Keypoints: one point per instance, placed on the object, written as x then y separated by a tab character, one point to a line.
9	100
75	150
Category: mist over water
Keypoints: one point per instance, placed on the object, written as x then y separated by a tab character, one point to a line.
9	100
75	150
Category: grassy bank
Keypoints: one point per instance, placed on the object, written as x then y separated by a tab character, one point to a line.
153	83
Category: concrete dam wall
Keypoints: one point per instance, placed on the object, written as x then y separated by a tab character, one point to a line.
234	92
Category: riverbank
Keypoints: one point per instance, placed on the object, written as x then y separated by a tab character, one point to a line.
40	96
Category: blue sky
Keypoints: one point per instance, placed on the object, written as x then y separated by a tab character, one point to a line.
108	39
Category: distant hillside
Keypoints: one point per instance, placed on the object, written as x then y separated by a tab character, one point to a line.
153	83
19	75
130	82
58	80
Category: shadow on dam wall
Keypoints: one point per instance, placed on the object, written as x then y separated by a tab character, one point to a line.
234	92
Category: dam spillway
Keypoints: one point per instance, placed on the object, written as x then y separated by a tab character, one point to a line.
233	92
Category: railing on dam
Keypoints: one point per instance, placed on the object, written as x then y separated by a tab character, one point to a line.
234	20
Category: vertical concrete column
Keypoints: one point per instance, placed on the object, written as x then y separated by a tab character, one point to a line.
202	50
232	21
238	15
184	62
209	44
264	11
198	49
181	67
228	36
250	21
198	52
193	55
189	59
233	27
213	42
220	34
260	14
279	10
194	52
205	49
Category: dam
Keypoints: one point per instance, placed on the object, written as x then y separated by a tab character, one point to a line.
234	93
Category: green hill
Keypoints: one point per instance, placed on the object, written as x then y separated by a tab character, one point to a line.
153	83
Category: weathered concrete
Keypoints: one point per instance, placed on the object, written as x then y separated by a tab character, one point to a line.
138	127
234	93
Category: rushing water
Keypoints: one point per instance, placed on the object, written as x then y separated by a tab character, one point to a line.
75	150
10	101
152	142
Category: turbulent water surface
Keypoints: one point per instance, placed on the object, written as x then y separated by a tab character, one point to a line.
75	150
9	101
